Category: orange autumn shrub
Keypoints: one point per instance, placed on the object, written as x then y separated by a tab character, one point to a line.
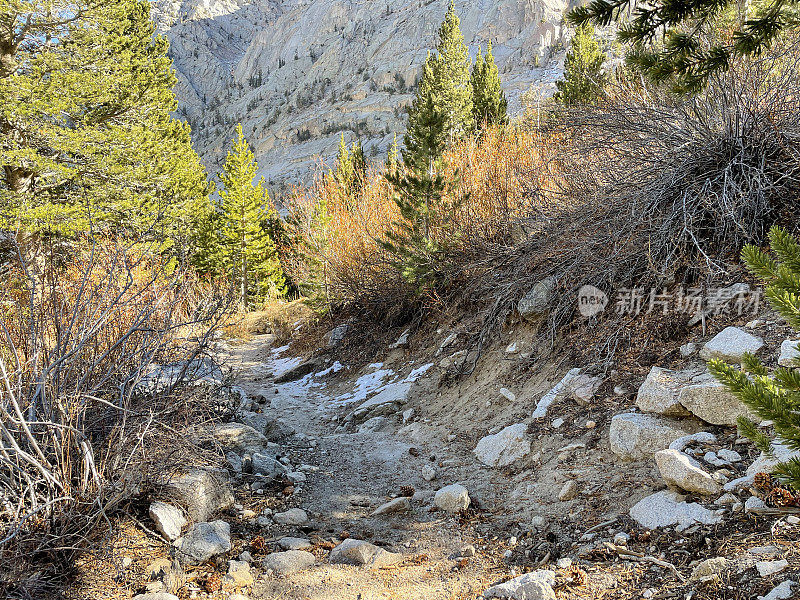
336	238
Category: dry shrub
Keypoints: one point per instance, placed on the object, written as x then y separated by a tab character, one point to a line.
278	318
79	435
653	191
496	183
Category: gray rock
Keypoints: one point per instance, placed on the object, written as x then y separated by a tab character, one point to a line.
447	341
678	470
238	437
712	402
537	585
702	437
201	493
373	425
204	541
536	302
155	596
398	505
583	387
767	568
568	491
293	516
428	472
562	389
386	402
266	465
408	415
508	394
169	520
730	345
709	568
766	463
635	436
782	591
271	427
754	504
294	543
359	552
402	341
288	561
789	353
730	456
688	349
659	393
337	335
667	508
452	498
296	477
310	366
505	447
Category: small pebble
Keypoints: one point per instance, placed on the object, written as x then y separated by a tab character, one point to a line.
621	539
591	424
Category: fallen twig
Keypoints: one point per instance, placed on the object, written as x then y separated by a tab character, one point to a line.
626	554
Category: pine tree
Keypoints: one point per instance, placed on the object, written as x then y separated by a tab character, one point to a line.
86	132
669	39
446	81
344	165
773	397
359	166
351	170
489	101
250	254
419	191
584	78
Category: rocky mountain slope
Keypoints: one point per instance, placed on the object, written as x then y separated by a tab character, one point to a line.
296	73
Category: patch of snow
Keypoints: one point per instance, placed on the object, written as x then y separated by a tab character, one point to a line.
282	365
365	385
417	373
334	368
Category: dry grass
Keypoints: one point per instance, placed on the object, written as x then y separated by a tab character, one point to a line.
278	318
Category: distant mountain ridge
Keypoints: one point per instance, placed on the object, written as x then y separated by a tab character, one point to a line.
296	73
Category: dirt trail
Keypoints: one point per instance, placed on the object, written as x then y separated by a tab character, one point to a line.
357	472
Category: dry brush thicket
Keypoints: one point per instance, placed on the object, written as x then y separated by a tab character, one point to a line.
79	434
643	189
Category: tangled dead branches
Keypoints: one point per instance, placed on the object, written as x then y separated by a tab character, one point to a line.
648	190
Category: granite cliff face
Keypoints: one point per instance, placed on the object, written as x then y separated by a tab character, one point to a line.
296	73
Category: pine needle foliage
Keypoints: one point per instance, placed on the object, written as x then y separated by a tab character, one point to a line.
248	252
774	397
584	78
489	106
446	83
419	189
668	38
351	169
86	133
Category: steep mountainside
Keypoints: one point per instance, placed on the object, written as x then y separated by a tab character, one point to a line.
298	72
